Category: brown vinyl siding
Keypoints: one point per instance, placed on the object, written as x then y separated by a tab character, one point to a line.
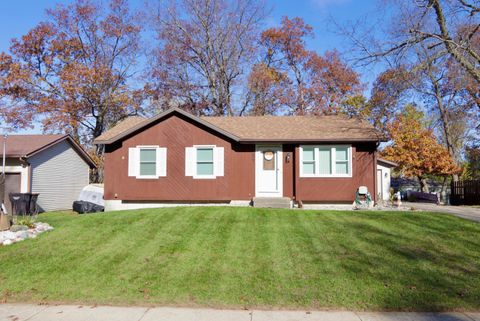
340	189
175	133
288	170
238	183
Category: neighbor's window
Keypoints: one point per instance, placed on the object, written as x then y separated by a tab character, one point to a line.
205	161
325	161
148	161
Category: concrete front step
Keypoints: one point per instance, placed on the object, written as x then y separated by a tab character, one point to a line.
272	202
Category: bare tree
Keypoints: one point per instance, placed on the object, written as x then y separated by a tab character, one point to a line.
204	48
448	25
461	48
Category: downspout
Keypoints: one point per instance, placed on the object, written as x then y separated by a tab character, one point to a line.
4	153
375	172
294	161
296	168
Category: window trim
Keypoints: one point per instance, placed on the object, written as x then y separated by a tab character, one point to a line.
315	162
152	147
196	175
333	161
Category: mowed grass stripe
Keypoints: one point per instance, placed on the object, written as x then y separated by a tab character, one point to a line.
246	257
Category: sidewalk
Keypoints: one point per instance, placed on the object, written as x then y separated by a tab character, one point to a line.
31	312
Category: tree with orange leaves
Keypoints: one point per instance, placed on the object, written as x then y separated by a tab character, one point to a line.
302	81
72	72
415	148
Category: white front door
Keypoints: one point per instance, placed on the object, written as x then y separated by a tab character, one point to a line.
269	171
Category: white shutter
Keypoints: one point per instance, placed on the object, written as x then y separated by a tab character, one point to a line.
161	161
133	161
190	161
219	161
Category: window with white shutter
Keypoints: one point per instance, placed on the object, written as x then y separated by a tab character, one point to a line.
204	161
147	162
133	162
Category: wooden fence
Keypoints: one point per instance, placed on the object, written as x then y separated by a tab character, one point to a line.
465	193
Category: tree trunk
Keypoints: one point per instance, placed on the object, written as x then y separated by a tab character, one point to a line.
96	175
442	191
448	42
444	116
423	184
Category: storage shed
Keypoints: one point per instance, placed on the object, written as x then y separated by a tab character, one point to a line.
55	166
384	169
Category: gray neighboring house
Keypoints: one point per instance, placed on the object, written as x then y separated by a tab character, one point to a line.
55	166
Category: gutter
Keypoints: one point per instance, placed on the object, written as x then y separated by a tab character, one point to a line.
309	140
266	141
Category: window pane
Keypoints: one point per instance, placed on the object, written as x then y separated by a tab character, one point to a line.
147	169
205	155
204	168
341	168
148	155
308	168
325	161
268	164
308	154
342	154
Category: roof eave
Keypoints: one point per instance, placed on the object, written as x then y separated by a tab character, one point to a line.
160	116
12	156
75	145
308	140
46	146
387	162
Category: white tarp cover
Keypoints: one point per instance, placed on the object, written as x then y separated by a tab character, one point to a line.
92	193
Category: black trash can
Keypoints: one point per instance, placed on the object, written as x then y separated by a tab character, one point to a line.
23	203
32	207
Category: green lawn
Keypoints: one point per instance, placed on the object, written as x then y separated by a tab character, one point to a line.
244	257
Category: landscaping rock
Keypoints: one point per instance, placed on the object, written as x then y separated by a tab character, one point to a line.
19	233
16	228
8	235
22	234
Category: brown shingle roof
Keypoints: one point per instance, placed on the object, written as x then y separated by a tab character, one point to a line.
296	128
263	128
23	145
29	145
121	127
386	162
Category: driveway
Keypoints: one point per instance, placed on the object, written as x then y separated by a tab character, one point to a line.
466	212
